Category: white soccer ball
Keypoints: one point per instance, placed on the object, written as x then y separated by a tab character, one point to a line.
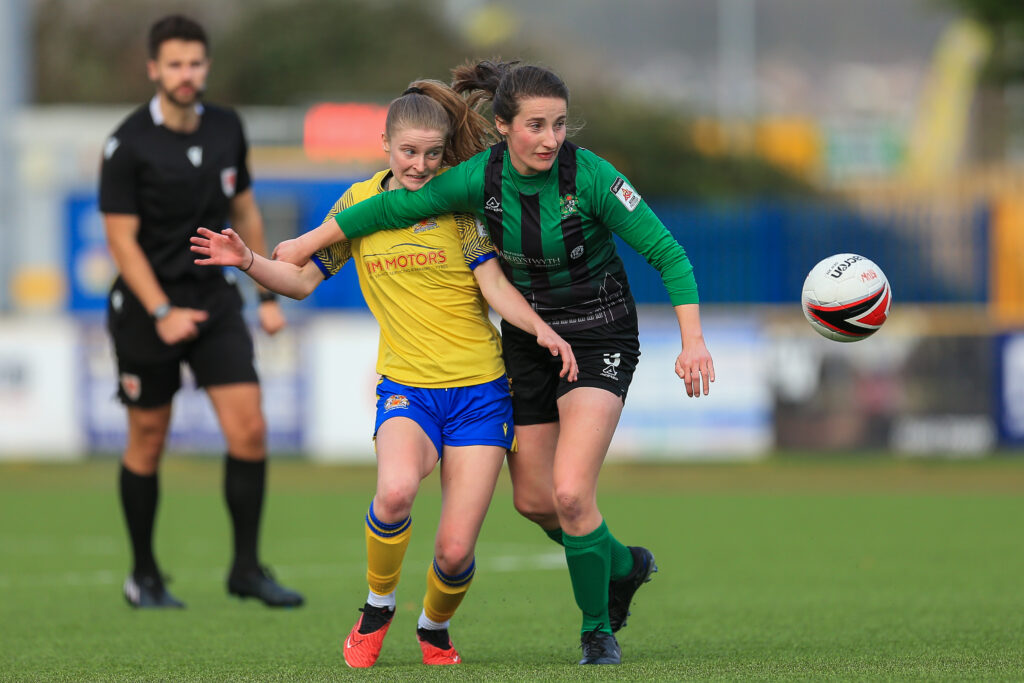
846	297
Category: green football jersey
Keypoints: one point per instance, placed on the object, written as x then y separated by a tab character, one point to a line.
553	231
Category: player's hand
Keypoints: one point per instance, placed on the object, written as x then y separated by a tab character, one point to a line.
272	318
554	343
694	367
180	325
224	248
291	251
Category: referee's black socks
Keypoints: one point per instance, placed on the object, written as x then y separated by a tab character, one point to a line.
244	483
139	494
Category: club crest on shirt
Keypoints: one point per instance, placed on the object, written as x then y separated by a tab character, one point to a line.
131	385
195	155
228	180
425	224
625	194
481	231
394	402
568	205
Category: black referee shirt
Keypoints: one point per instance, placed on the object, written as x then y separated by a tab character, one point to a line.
174	182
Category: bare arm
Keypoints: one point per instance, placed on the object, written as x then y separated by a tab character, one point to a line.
226	248
248	223
510	305
694	361
180	324
301	248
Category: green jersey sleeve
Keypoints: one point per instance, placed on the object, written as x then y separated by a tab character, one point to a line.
460	188
624	212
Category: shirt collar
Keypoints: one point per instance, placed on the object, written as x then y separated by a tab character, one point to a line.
158	115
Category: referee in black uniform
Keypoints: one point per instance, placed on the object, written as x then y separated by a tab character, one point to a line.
175	164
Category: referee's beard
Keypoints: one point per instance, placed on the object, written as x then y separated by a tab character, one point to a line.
184	103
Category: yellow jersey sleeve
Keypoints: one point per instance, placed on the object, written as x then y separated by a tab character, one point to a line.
476	244
330	259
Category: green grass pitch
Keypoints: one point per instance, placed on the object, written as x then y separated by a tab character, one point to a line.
789	569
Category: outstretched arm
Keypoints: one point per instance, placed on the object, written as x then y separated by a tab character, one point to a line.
694	362
298	250
449	191
226	248
510	305
248	221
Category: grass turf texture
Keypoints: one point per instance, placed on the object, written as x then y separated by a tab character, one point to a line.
852	568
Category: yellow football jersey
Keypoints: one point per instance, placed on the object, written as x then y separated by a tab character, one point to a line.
419	285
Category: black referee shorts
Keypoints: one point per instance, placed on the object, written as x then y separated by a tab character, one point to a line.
149	371
606	356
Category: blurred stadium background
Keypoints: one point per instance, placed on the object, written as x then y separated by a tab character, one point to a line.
767	135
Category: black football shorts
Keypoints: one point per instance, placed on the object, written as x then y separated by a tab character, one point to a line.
149	371
606	355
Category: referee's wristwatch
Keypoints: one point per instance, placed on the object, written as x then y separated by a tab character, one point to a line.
267	295
161	311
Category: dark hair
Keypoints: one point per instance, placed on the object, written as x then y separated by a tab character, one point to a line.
175	27
505	84
433	105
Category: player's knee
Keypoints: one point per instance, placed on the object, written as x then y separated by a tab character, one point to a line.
247	438
570	503
453	555
538	509
145	445
394	502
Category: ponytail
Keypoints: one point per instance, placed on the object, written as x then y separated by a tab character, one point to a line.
433	105
505	84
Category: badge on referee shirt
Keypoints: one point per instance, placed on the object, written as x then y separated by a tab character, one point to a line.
228	176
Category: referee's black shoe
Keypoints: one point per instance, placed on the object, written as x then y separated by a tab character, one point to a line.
148	591
259	583
600	647
620	593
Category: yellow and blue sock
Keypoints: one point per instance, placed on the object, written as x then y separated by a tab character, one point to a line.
444	594
385	549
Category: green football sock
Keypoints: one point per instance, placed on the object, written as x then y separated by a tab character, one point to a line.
555	535
622	559
589	560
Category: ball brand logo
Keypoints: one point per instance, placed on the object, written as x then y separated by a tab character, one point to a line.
422	259
843	266
868	276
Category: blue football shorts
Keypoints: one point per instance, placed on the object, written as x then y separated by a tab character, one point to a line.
477	415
